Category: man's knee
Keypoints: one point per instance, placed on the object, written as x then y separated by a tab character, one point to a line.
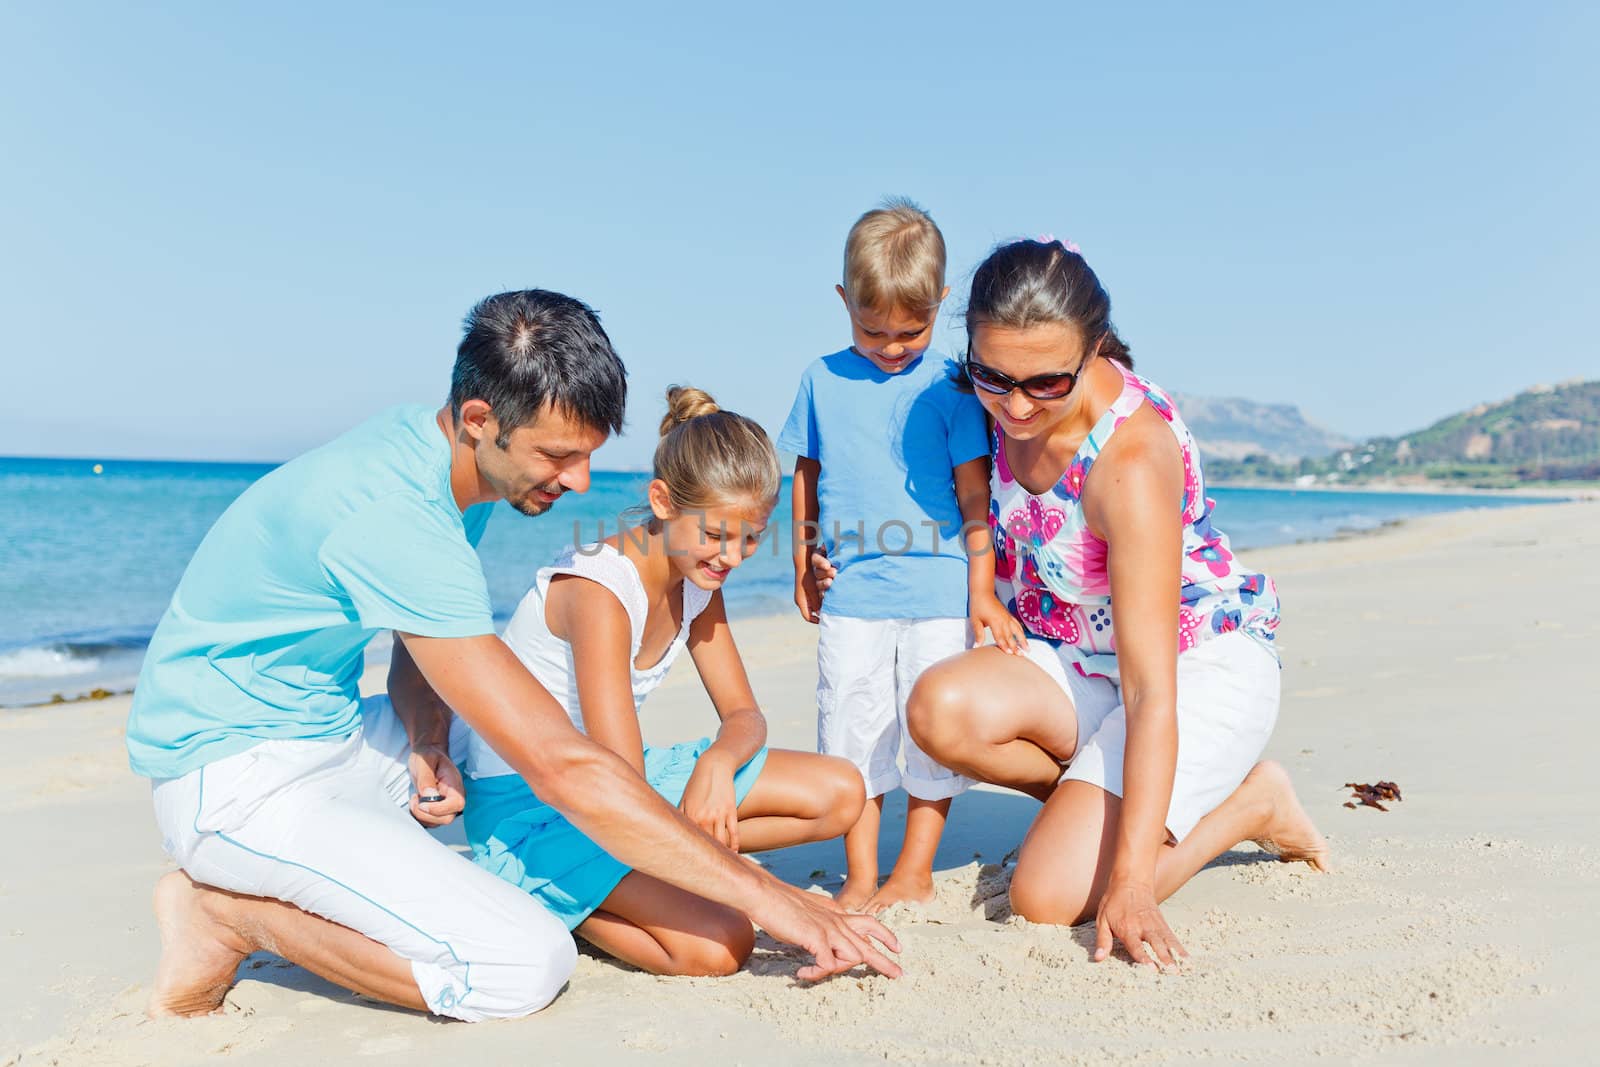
532	968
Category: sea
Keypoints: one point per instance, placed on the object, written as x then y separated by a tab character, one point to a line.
91	550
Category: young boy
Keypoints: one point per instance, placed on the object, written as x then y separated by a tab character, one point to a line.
892	479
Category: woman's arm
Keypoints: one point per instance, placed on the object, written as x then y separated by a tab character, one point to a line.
985	611
1133	501
593	621
709	799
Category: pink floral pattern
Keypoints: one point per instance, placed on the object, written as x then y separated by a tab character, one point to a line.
1052	571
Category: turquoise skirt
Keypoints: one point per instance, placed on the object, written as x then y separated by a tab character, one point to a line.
525	841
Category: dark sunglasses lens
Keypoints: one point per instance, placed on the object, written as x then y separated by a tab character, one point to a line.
985	379
1050	386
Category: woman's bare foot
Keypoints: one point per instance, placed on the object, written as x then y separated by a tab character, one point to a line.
855	892
901	888
1290	835
199	954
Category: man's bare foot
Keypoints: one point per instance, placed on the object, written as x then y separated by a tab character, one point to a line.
901	889
199	954
1290	835
855	892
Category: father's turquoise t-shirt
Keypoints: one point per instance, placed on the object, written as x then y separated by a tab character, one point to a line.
264	637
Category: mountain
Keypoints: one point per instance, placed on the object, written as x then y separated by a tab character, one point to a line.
1231	428
1547	433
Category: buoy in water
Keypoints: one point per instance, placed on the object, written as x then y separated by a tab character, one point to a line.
99	469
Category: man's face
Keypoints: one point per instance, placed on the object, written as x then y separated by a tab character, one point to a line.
542	460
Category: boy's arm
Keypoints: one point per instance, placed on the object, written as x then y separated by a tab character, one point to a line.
807	597
984	609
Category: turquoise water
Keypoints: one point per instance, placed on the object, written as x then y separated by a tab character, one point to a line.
88	561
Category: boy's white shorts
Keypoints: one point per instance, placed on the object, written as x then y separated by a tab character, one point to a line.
1228	692
865	671
326	826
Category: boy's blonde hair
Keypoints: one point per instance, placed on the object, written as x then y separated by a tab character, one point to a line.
894	258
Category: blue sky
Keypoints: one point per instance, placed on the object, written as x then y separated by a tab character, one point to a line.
230	232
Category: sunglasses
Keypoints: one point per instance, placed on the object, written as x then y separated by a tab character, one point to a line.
1039	387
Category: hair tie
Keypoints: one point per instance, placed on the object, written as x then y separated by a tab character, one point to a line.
1052	239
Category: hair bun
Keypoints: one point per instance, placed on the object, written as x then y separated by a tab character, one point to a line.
685	402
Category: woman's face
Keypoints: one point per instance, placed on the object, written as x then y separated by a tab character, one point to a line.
704	547
1021	354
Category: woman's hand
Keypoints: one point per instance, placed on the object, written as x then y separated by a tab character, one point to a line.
987	613
708	799
1128	913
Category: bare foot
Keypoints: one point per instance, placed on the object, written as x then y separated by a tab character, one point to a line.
199	954
901	888
1290	834
855	892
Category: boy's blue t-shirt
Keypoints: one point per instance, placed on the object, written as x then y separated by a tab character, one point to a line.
264	636
888	445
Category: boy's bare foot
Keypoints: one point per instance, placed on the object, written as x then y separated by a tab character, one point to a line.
901	888
1290	835
855	893
199	955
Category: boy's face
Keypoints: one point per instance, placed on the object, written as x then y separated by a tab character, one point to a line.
891	340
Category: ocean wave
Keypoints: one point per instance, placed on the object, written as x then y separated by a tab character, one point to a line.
52	661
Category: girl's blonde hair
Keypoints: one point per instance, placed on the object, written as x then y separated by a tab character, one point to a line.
709	457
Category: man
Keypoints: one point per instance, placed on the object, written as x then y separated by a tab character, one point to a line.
284	797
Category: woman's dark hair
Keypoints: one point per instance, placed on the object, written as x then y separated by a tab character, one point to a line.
525	349
1033	283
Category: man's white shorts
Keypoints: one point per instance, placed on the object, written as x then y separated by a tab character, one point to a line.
1228	690
325	826
865	671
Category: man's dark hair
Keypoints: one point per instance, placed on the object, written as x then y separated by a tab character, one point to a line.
525	349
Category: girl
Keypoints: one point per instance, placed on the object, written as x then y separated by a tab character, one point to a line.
1149	682
600	628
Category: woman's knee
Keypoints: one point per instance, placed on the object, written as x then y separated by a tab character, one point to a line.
941	712
1043	896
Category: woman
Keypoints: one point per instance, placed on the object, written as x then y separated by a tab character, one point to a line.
1148	685
600	629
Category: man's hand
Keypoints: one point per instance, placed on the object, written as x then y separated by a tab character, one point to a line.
1128	913
433	774
837	940
708	800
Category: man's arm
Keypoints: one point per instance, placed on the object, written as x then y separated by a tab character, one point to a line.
607	799
426	719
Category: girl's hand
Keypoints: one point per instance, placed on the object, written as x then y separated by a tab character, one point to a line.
987	613
1128	913
708	800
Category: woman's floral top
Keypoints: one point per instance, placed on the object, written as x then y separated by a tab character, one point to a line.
1050	570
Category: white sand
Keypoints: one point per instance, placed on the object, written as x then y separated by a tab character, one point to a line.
1451	654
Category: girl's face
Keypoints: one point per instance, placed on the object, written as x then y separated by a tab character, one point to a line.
1021	354
704	547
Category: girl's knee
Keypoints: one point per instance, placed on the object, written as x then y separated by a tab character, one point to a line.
846	793
717	949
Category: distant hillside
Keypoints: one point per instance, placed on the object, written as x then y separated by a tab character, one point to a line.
1548	433
1231	428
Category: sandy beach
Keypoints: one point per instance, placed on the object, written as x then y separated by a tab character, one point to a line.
1449	654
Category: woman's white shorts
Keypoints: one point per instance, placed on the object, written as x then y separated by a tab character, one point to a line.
1228	690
